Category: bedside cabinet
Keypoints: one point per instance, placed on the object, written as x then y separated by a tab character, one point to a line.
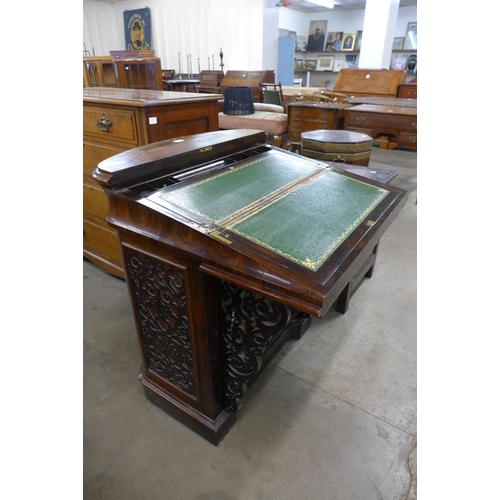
115	120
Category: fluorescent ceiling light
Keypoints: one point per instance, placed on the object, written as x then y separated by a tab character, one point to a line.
322	3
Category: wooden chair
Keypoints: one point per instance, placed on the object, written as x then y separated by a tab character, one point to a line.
271	93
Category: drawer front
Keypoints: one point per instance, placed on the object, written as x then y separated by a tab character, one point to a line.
408	92
368	131
315	114
95	203
408	140
368	120
104	241
117	125
93	154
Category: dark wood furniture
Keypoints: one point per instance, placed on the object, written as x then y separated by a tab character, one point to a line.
115	120
376	174
390	126
185	84
407	90
210	81
340	146
218	281
309	115
99	71
383	101
242	78
139	73
369	82
131	54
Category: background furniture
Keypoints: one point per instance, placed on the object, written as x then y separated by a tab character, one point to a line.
271	93
308	115
369	82
242	78
339	146
139	73
99	71
115	120
407	90
383	101
390	126
218	288
210	81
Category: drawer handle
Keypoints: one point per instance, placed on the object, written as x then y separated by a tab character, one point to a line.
360	119
103	124
412	139
414	125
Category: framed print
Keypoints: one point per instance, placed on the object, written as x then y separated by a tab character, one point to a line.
310	64
301	43
137	25
299	64
399	61
350	61
398	43
359	37
338	64
325	63
411	37
348	41
316	40
333	41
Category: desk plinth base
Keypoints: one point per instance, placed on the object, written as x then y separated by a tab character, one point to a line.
211	430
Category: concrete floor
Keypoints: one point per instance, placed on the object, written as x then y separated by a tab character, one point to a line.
333	417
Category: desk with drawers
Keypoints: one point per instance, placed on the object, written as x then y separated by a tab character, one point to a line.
390	126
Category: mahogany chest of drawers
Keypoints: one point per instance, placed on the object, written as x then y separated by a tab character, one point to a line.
115	120
390	126
305	116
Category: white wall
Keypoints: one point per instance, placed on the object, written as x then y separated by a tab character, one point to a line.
199	28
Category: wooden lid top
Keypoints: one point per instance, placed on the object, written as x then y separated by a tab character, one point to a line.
335	136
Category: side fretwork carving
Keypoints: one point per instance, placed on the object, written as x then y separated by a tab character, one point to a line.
251	325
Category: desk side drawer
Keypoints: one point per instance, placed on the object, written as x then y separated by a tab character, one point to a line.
408	140
369	120
121	124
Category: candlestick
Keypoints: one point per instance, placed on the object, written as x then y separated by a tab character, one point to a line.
199	70
180	71
213	62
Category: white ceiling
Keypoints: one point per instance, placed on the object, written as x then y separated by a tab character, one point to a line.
304	6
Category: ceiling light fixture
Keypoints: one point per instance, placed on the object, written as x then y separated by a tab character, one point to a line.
322	3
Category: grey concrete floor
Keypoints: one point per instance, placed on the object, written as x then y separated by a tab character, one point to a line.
332	417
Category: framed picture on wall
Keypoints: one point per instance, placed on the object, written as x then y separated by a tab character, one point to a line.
411	37
325	63
359	37
333	41
299	64
317	32
398	43
348	41
310	64
137	25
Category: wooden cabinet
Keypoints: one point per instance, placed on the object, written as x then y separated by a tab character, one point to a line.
390	126
139	73
250	79
305	116
115	120
98	71
407	91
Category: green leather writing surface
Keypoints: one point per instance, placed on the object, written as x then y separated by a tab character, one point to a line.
295	208
309	223
222	195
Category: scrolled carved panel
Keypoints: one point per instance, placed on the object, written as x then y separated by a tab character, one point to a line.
250	324
159	296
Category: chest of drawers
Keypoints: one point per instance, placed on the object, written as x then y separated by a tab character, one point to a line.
390	126
115	120
305	116
407	91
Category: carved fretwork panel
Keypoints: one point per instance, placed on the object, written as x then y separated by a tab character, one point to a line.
251	323
159	296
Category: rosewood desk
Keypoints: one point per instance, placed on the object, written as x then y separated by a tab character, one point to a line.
230	245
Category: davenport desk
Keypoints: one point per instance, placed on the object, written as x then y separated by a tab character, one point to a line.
229	246
116	119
